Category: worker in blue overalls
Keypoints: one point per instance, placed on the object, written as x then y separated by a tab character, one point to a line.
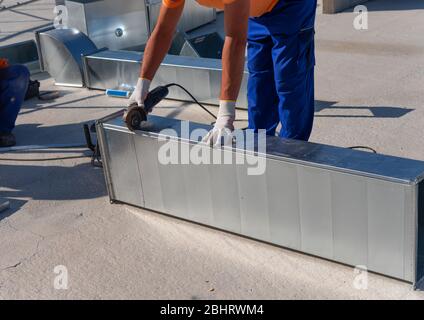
13	87
281	59
281	62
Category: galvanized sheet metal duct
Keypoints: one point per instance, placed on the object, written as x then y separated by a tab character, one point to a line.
119	69
348	206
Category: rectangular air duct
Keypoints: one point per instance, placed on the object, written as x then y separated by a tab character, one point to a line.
349	206
127	24
107	69
194	15
110	23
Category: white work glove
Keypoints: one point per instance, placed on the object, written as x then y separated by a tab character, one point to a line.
222	132
140	92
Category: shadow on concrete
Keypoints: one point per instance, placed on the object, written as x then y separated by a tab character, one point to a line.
376	111
37	134
394	5
11	36
35	104
15	205
50	182
369	49
29	15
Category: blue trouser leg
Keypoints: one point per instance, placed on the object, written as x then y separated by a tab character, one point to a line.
296	106
284	41
294	76
13	86
262	94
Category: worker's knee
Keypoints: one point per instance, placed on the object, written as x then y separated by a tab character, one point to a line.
18	75
14	83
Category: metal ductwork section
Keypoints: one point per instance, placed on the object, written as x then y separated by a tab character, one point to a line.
127	24
108	69
208	45
60	52
353	207
194	15
114	25
110	23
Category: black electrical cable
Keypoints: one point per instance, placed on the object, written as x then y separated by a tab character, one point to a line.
192	97
198	103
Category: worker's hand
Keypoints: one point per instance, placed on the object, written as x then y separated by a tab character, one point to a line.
222	132
140	92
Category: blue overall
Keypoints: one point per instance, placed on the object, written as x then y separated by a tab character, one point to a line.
13	87
281	60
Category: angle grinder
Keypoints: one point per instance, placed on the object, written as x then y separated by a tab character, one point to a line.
136	115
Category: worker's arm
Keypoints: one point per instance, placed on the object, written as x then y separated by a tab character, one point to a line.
157	47
161	39
236	15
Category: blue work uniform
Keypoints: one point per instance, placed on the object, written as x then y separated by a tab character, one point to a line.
281	60
13	87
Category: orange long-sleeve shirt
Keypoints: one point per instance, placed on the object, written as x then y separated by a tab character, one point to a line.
257	7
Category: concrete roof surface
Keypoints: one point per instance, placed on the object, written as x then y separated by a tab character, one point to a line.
369	91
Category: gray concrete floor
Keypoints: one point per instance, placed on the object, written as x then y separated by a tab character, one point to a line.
369	92
18	23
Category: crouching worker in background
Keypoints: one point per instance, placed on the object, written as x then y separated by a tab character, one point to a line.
13	87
